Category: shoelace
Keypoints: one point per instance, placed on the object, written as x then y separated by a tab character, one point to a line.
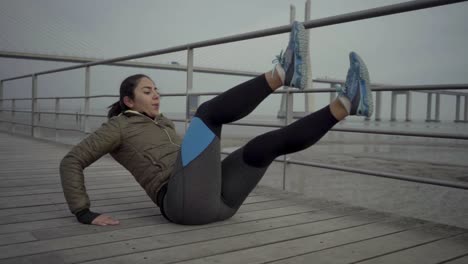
340	89
278	60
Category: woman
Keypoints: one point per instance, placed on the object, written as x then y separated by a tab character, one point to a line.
186	179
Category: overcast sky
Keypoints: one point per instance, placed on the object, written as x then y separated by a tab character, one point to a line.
422	47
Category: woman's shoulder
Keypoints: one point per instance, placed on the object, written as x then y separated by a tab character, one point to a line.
117	121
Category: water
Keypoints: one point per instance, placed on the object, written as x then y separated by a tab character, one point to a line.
445	159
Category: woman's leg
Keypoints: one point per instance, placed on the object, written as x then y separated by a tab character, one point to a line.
237	102
194	190
243	169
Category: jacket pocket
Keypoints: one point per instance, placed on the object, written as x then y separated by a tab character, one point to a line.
153	161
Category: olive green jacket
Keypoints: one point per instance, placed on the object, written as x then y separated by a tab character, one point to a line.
147	148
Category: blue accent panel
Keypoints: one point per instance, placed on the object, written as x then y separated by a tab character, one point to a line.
197	138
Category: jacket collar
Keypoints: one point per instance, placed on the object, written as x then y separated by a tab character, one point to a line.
141	114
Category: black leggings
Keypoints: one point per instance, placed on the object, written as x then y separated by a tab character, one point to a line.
203	189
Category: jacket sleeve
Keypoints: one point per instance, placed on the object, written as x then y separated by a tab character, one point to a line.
102	141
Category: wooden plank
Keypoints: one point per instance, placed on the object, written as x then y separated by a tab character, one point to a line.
59	198
238	218
63	206
460	260
34	225
79	229
21	237
71	220
435	252
58	189
18	175
367	249
65	213
293	247
206	243
171	234
29	217
58	193
38	182
52	169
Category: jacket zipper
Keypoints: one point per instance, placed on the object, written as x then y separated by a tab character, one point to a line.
167	133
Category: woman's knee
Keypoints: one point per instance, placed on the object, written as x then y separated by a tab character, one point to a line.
203	112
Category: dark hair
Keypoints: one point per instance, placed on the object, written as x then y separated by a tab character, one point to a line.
127	88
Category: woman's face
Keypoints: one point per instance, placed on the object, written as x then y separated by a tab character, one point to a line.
146	98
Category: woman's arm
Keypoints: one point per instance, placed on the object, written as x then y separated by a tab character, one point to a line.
102	141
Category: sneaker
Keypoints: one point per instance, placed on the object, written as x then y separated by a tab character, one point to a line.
291	64
356	95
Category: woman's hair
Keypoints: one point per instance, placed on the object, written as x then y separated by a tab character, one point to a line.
127	88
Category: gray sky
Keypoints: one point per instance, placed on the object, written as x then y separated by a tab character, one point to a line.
422	47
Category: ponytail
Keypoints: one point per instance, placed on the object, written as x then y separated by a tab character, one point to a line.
127	88
114	109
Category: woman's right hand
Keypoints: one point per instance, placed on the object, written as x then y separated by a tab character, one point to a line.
104	220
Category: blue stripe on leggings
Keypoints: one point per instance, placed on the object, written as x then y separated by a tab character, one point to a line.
197	138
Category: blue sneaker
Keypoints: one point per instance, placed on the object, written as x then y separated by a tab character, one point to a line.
292	61
357	88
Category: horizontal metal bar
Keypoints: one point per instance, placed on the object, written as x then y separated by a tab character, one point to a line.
58	128
39	112
15	111
18	99
451	184
344	18
131	64
402	133
356	130
379	12
403	88
40	126
16	123
54	113
415	88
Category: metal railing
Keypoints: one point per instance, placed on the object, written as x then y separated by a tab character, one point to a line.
354	16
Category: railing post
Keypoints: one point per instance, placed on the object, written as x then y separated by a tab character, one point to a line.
333	94
87	94
466	108
457	109
309	98
287	121
437	110
56	120
393	107
429	107
1	99
288	101
33	103
378	104
13	113
408	106
189	84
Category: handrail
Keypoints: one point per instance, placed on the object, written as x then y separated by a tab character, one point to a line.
389	175
422	88
353	130
333	20
339	19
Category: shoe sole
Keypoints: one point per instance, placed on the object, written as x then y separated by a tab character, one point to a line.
364	75
301	66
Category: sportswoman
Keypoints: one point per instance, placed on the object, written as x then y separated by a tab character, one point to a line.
186	178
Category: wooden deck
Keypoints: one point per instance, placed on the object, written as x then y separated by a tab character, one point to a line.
271	227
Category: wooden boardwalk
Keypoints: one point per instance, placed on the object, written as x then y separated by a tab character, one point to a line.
271	227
